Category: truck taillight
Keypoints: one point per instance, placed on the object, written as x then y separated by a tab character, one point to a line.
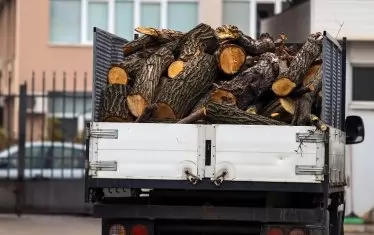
139	230
274	231
117	229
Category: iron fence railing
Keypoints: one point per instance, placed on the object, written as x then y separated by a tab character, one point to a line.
42	125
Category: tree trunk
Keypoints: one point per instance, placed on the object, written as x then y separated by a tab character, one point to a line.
178	96
152	37
117	75
292	77
230	58
281	109
217	96
148	78
200	39
253	82
113	104
229	114
304	104
251	46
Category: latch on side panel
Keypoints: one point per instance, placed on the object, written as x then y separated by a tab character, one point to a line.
103	166
309	170
104	133
311	137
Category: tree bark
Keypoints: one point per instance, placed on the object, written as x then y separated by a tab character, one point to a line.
152	37
113	104
251	46
230	58
292	77
253	82
304	104
193	117
148	78
201	39
229	114
178	96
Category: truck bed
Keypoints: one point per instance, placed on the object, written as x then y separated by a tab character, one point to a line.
227	152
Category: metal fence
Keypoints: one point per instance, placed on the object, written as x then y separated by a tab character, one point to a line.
42	148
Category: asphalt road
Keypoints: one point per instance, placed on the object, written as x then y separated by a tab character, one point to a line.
70	225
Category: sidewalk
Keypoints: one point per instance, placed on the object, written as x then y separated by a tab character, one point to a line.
49	224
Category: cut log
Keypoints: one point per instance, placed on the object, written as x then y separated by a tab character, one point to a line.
193	117
200	39
175	68
251	46
146	115
113	105
292	77
117	75
230	58
179	95
152	37
253	82
148	78
217	96
229	114
281	109
305	103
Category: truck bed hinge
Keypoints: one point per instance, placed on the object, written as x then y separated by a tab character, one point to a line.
104	133
311	137
310	170
103	166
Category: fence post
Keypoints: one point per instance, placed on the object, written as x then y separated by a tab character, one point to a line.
20	189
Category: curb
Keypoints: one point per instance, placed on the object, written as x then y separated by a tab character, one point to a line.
362	228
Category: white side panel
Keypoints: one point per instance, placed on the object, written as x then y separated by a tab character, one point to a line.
266	153
337	156
148	151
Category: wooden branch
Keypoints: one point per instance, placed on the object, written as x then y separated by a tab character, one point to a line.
193	117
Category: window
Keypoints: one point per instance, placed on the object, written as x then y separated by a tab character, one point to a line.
246	14
72	21
362	82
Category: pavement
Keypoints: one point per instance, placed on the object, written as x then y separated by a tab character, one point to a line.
49	224
72	225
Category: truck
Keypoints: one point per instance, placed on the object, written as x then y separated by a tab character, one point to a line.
162	178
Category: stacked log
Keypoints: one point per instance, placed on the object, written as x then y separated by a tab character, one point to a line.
218	75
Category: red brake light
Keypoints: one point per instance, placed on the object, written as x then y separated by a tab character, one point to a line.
274	231
139	230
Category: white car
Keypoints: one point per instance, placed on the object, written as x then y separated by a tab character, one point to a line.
45	160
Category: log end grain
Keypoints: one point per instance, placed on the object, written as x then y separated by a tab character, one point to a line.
231	58
175	68
288	105
283	86
117	75
136	104
221	96
164	111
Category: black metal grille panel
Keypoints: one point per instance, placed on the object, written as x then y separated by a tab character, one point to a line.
332	82
104	42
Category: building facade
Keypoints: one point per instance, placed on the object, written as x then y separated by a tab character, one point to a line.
355	21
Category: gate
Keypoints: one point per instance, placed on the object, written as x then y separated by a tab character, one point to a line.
42	144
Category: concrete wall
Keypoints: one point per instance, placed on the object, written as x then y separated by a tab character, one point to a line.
294	22
357	17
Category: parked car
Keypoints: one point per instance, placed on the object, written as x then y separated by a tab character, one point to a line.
44	160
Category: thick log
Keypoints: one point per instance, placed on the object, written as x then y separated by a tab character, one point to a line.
230	58
193	117
117	75
217	96
113	104
152	37
178	96
200	39
292	77
251	46
175	68
304	105
253	82
147	114
145	85
230	114
281	109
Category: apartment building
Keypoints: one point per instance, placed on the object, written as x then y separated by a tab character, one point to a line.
354	20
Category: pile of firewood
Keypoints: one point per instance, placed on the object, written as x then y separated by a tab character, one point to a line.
215	76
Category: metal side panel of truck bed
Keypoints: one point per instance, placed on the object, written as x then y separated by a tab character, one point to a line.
160	151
